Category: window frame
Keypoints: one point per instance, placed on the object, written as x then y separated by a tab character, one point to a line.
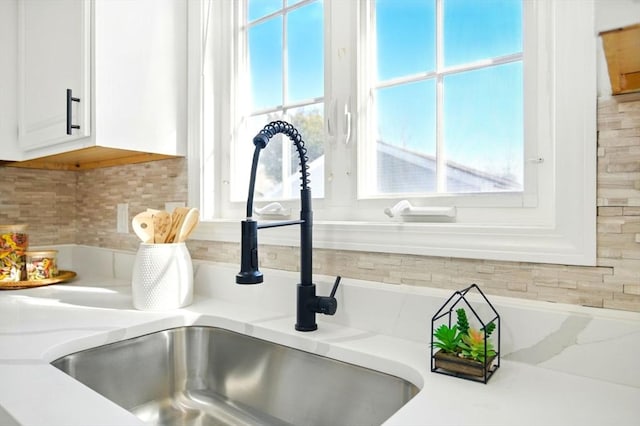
552	223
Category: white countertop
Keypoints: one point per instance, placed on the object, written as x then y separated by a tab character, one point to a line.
540	385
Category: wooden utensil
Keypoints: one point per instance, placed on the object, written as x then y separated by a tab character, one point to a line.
161	226
142	224
177	217
189	223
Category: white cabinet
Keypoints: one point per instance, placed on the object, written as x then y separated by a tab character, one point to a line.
124	59
53	59
140	75
8	78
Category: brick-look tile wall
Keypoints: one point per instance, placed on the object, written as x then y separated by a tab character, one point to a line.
613	283
619	198
142	186
44	200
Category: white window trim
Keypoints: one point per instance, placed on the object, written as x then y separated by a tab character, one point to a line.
564	233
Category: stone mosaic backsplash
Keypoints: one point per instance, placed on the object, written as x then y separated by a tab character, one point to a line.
43	199
142	186
80	207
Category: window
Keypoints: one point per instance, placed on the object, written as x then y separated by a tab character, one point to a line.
502	130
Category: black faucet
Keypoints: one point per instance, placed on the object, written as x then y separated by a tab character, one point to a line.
308	303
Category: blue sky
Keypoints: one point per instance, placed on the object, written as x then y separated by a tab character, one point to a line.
305	44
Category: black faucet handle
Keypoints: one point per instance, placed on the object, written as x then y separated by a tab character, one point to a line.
335	286
328	305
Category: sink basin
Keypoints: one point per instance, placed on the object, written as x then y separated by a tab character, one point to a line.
211	376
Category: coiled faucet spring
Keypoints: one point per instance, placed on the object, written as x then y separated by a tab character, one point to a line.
270	130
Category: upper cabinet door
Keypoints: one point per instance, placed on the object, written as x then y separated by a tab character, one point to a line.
53	57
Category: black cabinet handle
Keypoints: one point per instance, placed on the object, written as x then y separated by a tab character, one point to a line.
70	99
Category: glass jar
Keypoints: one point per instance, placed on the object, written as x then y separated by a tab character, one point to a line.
42	265
13	245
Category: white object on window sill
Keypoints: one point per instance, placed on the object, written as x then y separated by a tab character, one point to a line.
273	209
404	208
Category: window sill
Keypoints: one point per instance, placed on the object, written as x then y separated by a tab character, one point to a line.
520	244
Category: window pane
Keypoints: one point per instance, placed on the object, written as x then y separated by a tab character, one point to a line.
305	35
406	145
405	32
476	30
265	64
483	129
260	8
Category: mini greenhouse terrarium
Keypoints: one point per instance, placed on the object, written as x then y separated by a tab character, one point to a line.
465	337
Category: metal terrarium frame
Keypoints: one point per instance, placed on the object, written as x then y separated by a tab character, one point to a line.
462	367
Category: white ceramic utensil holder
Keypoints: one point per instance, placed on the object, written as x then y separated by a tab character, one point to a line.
162	277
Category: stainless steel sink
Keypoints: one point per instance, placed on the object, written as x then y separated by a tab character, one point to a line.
212	376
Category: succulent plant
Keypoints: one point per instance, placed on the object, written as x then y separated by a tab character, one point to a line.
463	322
464	340
447	338
475	346
488	329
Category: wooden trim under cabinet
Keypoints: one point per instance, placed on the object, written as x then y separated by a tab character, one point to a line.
88	158
622	50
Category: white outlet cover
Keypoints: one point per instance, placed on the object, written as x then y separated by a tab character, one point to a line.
122	225
171	205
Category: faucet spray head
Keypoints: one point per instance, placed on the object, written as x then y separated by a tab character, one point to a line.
261	140
249	272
